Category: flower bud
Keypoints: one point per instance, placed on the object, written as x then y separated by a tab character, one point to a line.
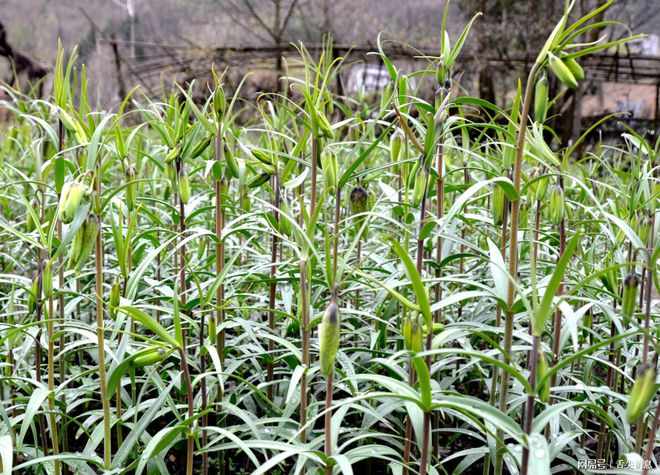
232	165
440	72
359	199
557	205
330	332
562	71
324	125
219	101
575	68
70	199
629	296
262	156
498	202
150	356
421	180
259	180
541	99
76	246
173	154
83	242
641	393
541	371
131	187
33	295
115	296
413	338
330	169
396	145
184	185
201	146
46	279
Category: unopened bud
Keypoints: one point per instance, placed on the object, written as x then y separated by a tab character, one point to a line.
557	205
541	99
629	296
131	187
83	242
184	185
396	145
70	199
150	356
562	71
330	332
330	170
641	393
498	202
421	180
46	279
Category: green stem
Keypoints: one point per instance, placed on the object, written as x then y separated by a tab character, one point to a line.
51	385
513	254
107	438
328	423
304	301
273	287
190	449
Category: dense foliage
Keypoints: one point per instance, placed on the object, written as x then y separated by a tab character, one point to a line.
375	283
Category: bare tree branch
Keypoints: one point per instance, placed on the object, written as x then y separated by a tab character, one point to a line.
256	16
288	15
236	19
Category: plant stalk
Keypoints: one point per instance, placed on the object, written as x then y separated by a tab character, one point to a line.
513	253
100	329
273	286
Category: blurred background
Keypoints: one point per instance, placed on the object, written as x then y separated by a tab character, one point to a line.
152	43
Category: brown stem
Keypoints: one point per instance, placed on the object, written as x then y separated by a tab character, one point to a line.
315	152
647	292
219	266
440	206
204	420
411	379
641	425
51	384
529	408
304	302
358	258
335	242
191	409
60	294
651	442
498	313
305	348
273	287
611	383
513	254
328	422
560	292
408	434
182	251
38	316
219	338
100	330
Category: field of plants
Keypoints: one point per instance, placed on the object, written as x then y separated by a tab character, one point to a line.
314	283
